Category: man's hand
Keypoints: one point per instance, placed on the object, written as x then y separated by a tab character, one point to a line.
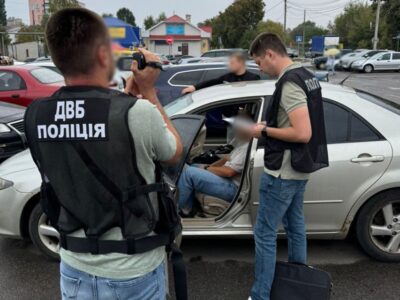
257	129
188	90
145	79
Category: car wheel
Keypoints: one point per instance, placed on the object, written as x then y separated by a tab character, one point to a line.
43	236
368	69
378	227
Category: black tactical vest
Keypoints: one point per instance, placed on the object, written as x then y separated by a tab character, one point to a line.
305	158
81	143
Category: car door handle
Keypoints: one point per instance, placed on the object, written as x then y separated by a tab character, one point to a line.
361	159
15	96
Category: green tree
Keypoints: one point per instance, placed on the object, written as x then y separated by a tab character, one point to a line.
354	25
149	22
390	24
161	17
3	13
264	26
126	15
236	25
23	38
311	29
56	5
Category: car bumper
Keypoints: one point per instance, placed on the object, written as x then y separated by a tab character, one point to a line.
357	67
11	211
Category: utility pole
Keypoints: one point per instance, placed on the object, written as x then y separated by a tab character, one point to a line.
284	16
304	33
375	40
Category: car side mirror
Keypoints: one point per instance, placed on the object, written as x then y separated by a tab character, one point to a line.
124	63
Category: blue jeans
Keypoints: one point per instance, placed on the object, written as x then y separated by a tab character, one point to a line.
199	180
79	285
280	201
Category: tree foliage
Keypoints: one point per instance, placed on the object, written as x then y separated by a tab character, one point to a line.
390	24
56	5
149	22
126	15
235	25
26	37
311	29
3	13
354	25
161	17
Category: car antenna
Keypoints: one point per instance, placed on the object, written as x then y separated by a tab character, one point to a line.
345	79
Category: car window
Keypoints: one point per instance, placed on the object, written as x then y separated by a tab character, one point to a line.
46	76
209	54
385	56
360	132
187	78
336	123
396	56
344	126
262	75
215	73
11	81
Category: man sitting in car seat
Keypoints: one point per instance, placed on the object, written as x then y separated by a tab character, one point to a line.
220	179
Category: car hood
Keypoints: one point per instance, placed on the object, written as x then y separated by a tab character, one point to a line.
10	112
19	162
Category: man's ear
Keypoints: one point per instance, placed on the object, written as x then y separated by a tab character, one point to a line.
102	56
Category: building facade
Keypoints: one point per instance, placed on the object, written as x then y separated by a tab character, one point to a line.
188	39
36	11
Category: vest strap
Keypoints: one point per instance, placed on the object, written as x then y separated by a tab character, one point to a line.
128	246
146	189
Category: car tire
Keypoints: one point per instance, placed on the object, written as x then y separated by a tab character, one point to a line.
47	244
375	235
368	69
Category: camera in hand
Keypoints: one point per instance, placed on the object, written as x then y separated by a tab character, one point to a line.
141	62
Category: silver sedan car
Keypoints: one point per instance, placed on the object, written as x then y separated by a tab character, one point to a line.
359	192
387	61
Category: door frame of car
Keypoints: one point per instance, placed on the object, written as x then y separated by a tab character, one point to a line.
236	220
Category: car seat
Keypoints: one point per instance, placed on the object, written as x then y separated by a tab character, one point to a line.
211	206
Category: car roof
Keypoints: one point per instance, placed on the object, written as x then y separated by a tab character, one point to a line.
26	67
227	49
42	63
254	89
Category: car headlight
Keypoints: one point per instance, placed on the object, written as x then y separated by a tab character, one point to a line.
4	184
4	128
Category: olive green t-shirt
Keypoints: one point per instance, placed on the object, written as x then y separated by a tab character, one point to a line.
293	97
153	141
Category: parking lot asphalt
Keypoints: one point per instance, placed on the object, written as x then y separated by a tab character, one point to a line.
223	268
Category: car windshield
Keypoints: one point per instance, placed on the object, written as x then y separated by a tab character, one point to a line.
46	76
389	105
178	104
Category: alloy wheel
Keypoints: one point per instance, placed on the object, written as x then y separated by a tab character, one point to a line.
48	234
385	228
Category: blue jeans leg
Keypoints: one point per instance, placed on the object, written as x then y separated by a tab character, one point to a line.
79	285
199	180
276	199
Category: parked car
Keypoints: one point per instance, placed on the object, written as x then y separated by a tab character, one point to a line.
358	192
347	61
224	52
292	52
389	61
320	62
45	64
12	136
23	84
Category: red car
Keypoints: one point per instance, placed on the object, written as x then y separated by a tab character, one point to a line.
23	84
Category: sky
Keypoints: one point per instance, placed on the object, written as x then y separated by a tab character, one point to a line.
318	11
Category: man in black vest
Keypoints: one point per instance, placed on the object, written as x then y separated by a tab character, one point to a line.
237	72
295	146
95	149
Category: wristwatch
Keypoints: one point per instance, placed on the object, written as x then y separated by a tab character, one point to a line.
264	132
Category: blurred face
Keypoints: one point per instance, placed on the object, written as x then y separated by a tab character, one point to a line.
267	63
236	65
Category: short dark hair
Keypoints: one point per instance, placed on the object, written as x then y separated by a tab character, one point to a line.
73	35
240	56
267	41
